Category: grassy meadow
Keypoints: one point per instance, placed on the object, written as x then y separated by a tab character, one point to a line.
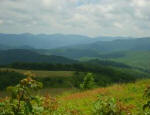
130	95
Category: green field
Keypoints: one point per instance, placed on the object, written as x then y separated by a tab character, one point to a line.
44	73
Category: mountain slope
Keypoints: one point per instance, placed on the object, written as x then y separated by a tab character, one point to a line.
118	45
137	59
104	49
18	55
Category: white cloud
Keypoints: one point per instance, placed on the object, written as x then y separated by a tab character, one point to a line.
89	17
1	21
47	2
140	3
118	25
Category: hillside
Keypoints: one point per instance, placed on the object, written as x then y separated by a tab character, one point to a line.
4	47
102	48
20	55
72	75
137	59
130	99
118	45
129	95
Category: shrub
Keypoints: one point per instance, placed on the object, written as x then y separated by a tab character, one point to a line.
146	106
88	82
110	106
22	102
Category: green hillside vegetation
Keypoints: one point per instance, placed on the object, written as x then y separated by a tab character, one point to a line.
21	55
98	49
71	75
43	73
136	59
131	98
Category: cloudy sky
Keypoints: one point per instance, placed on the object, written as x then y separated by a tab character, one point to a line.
85	17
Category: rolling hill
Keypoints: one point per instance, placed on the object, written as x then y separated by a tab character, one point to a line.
20	55
103	49
137	59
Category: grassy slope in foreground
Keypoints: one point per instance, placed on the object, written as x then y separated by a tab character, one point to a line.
130	94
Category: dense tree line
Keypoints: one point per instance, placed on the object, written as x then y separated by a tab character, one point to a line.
104	75
9	78
92	66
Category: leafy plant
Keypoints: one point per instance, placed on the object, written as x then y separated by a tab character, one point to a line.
109	106
88	82
22	102
146	106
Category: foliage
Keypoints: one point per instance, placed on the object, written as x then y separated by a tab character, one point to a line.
8	78
109	106
77	79
22	102
103	76
146	106
106	72
128	100
23	55
89	82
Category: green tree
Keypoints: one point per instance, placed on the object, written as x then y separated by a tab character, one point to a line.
89	82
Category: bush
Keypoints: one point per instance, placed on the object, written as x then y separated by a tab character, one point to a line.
22	102
88	82
110	106
146	106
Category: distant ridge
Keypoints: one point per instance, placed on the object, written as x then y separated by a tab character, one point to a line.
103	49
45	41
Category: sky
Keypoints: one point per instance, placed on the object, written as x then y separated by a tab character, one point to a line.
84	17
